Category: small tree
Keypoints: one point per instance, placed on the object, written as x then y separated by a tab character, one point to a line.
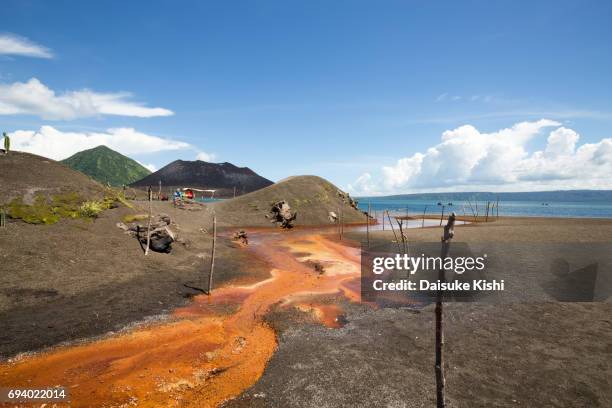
7	143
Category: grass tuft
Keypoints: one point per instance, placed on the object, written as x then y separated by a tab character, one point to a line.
91	209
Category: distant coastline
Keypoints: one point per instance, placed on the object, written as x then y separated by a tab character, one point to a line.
562	204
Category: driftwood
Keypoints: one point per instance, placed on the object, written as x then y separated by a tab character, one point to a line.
280	213
159	235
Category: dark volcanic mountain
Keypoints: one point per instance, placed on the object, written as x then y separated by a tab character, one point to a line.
204	175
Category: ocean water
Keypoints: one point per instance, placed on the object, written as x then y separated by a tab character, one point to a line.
564	209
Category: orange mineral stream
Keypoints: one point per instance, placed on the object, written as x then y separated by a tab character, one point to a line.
202	356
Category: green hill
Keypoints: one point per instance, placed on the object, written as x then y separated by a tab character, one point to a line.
107	166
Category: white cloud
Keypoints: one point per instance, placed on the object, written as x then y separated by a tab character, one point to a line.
207	157
467	159
151	167
35	98
11	44
364	185
442	97
58	145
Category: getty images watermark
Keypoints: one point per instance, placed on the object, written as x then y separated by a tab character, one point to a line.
403	264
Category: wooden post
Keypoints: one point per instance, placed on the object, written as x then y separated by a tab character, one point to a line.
159	193
234	191
442	215
338	222
497	208
394	234
487	213
423	221
341	223
150	216
472	208
383	220
212	256
439	364
368	224
400	224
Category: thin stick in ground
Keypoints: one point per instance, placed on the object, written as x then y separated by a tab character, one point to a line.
449	232
394	234
150	216
212	256
368	224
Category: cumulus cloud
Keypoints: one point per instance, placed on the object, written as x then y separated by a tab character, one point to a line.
364	185
151	167
35	98
11	44
57	145
207	157
467	159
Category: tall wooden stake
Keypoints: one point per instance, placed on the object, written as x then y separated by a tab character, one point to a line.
400	224
393	229
341	223
383	220
150	216
497	208
212	256
423	222
439	367
368	224
338	221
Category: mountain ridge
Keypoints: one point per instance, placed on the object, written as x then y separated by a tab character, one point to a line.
106	165
201	174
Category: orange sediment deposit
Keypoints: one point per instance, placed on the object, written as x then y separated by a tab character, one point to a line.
330	315
201	357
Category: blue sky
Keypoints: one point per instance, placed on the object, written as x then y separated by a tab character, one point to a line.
337	89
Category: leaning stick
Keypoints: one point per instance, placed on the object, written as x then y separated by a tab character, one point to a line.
212	255
393	229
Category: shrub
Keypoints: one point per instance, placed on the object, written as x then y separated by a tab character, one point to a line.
40	212
91	209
